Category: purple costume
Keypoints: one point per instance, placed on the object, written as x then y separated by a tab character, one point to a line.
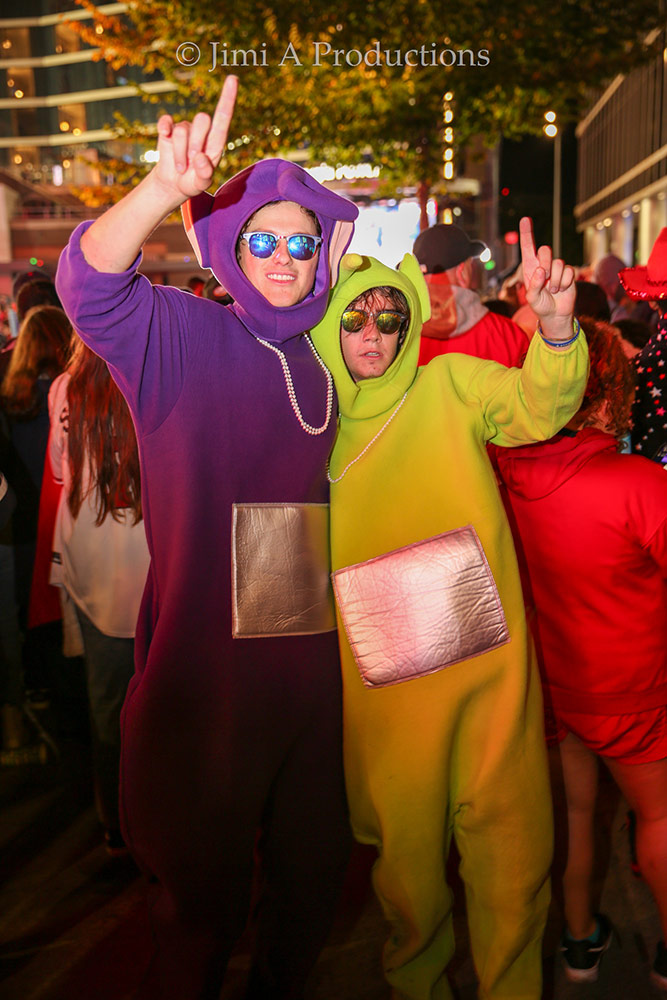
224	736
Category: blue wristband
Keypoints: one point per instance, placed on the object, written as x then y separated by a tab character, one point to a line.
561	343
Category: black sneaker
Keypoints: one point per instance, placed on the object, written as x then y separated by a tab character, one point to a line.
659	970
582	958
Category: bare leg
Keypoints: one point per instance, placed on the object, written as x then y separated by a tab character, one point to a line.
645	789
580	776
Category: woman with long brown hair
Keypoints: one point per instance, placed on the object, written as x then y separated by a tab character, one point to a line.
40	353
100	552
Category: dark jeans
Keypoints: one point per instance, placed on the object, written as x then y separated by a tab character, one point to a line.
109	667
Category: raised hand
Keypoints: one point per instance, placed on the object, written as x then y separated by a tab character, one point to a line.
549	283
190	151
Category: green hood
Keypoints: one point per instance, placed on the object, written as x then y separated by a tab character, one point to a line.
373	396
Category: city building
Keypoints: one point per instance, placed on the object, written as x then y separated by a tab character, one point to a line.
622	165
56	105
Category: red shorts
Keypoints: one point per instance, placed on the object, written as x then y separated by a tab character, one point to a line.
636	738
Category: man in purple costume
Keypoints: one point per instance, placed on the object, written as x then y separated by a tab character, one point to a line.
232	721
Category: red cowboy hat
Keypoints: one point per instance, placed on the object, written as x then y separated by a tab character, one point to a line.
648	282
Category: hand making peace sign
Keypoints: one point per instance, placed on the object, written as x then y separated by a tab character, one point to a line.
549	283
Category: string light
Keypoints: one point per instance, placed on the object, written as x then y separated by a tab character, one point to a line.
448	138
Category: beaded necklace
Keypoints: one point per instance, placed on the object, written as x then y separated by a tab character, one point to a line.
372	441
291	392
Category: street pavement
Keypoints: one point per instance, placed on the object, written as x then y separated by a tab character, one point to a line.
73	923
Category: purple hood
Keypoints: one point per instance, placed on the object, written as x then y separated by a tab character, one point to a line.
215	222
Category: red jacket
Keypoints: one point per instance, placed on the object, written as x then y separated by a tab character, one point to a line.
591	529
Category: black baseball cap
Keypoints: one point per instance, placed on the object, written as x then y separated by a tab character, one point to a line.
443	246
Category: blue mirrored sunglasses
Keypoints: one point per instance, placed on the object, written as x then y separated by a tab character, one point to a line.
300	246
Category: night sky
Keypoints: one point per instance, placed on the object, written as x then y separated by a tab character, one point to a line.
526	168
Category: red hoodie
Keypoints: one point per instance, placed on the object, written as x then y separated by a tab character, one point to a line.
590	527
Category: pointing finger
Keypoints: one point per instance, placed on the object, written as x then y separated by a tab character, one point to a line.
222	116
528	257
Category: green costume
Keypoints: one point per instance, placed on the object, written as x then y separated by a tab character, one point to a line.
459	749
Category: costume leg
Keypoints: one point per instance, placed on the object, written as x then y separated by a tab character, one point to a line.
249	744
201	870
409	879
503	829
194	942
304	851
464	746
192	789
399	745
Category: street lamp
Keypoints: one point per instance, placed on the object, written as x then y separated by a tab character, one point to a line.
552	130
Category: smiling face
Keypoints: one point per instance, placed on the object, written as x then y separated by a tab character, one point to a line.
367	352
281	279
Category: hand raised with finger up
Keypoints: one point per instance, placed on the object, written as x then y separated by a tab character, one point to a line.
190	151
550	286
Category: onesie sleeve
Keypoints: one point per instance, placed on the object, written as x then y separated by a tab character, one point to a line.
532	403
139	329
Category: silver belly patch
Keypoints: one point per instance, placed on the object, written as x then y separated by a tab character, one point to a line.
420	608
280	570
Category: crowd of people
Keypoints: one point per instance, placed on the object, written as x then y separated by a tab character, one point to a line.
305	523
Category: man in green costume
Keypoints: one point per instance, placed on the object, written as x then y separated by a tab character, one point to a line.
443	714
